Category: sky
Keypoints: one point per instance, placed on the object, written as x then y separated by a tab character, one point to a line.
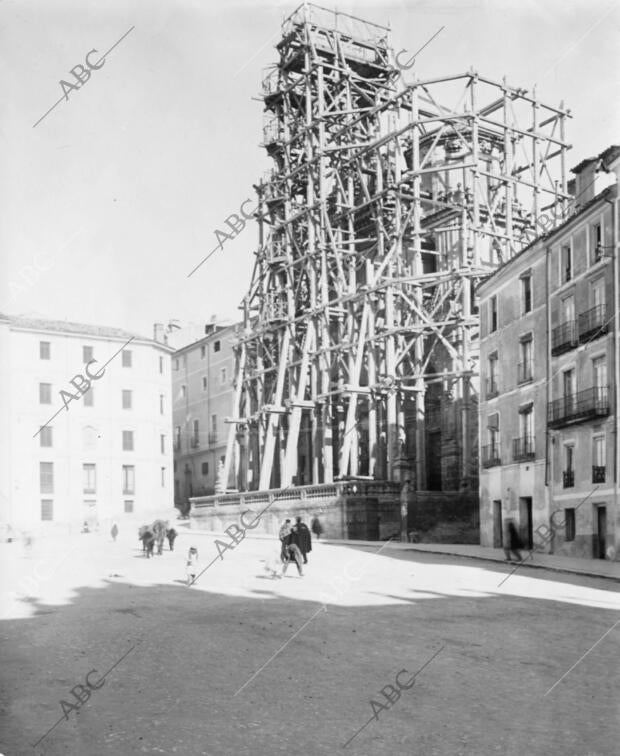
109	202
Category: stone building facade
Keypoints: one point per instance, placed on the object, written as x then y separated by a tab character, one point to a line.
549	409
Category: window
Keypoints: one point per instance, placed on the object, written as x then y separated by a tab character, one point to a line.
216	346
45	393
47	509
161	404
599	377
569	518
44	350
596	241
87	354
492	389
174	465
204	382
45	436
493	314
127	440
46	477
568	475
205	468
161	365
598	459
128	505
177	438
526	294
126	399
524	369
176	364
129	483
526	422
214	423
568	386
89	478
183	391
597	293
196	434
223	376
89	397
163	477
126	357
162	443
203	352
566	263
568	309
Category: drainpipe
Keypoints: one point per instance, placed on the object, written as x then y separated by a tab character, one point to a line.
615	331
548	439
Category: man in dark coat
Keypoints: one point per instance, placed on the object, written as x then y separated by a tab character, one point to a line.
302	538
513	542
148	542
171	535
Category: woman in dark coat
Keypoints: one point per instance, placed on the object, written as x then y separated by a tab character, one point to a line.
316	526
302	538
171	535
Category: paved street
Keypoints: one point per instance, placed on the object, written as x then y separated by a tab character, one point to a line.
187	658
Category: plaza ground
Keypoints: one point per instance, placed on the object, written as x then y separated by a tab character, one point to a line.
244	664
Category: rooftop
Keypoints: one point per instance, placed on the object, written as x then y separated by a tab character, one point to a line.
68	327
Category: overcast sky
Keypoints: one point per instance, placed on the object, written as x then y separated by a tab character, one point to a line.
115	195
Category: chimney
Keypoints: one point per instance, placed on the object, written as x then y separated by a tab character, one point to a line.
158	332
585	181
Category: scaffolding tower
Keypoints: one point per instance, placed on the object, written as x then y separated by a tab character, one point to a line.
386	205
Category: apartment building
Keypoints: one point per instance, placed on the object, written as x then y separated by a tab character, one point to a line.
565	478
202	389
86	431
513	397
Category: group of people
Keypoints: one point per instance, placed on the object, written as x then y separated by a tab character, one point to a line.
155	534
296	543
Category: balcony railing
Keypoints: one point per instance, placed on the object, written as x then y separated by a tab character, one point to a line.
491	388
212	438
524	372
490	456
577	408
598	474
593	323
568	478
195	443
523	448
564	337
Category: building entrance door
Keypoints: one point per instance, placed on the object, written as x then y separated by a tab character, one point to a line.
362	519
498	530
525	518
601	533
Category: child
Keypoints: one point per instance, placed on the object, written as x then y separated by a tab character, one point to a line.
192	565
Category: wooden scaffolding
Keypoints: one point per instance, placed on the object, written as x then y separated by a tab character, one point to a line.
387	204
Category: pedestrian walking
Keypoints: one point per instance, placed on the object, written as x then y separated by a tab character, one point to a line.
292	554
114	532
302	538
148	542
316	527
192	565
171	534
285	538
513	542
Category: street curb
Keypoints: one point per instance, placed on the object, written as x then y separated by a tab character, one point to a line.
412	547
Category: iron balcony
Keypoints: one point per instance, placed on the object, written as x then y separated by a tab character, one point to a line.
593	323
578	408
490	456
598	474
523	448
564	337
568	478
